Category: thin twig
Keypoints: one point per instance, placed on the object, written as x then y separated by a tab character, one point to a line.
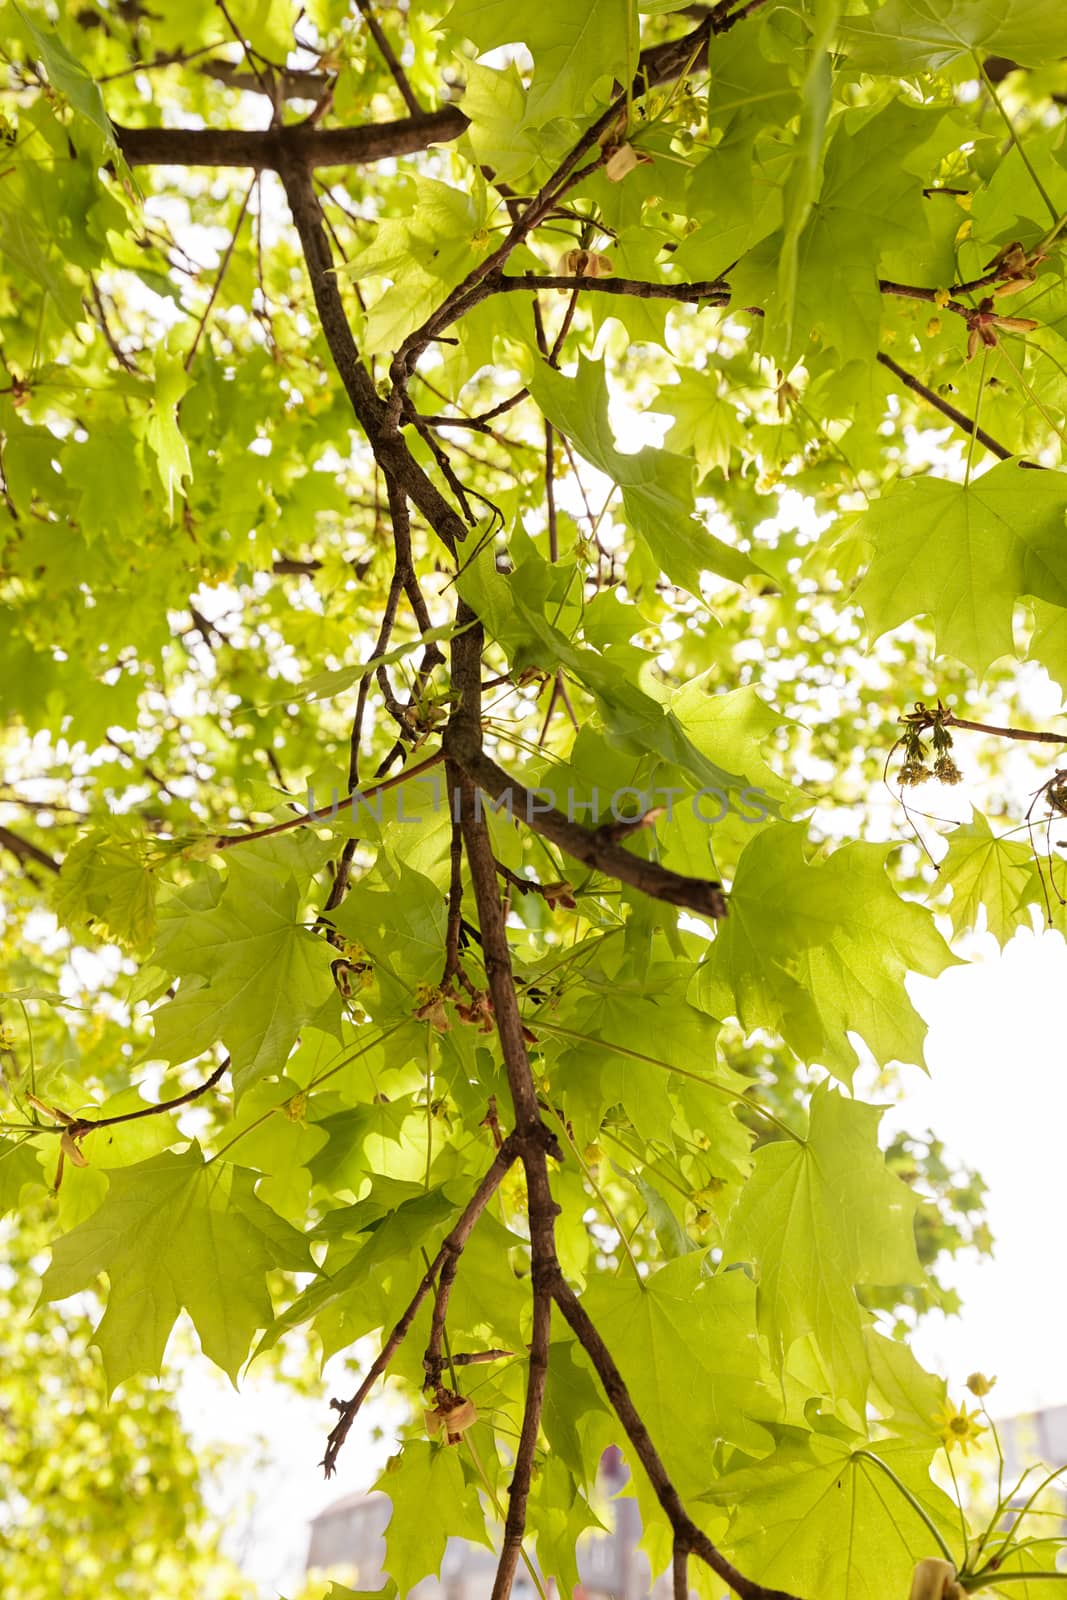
105	327
682	1525
451	1246
946	408
264	86
713	291
227	841
24	850
78	1127
220	274
1032	735
389	56
402	561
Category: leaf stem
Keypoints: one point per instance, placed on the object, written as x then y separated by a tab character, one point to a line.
995	1579
1017	142
499	1509
683	1072
615	1223
916	1505
977	413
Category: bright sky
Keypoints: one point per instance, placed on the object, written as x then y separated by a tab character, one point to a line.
997	1095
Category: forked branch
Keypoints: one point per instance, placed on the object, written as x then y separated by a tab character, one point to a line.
451	1248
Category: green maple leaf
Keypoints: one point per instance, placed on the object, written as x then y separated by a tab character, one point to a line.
1048	642
738	726
18	1166
559	1515
687	1346
162	431
176	1233
423	254
494	101
339	1591
984	870
252	976
869	201
705	422
906	1397
962	554
110	882
817	949
571	1394
622	1048
657	487
72	81
820	1217
928	35
396	1236
802	184
577	49
431	1503
821	1517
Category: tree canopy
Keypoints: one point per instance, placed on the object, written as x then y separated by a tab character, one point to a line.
502	507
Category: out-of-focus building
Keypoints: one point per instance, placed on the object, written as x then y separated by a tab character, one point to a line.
1034	1436
348	1540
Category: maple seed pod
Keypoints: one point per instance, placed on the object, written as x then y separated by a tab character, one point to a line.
430	1007
934	1579
72	1150
453	1414
1011	259
1013	286
622	161
585	264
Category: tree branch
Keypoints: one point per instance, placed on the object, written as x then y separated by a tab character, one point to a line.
584	844
1031	735
389	56
336	147
680	1570
269	149
531	1140
713	291
534	1139
25	851
946	408
389	446
452	1246
684	1528
78	1127
913	291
